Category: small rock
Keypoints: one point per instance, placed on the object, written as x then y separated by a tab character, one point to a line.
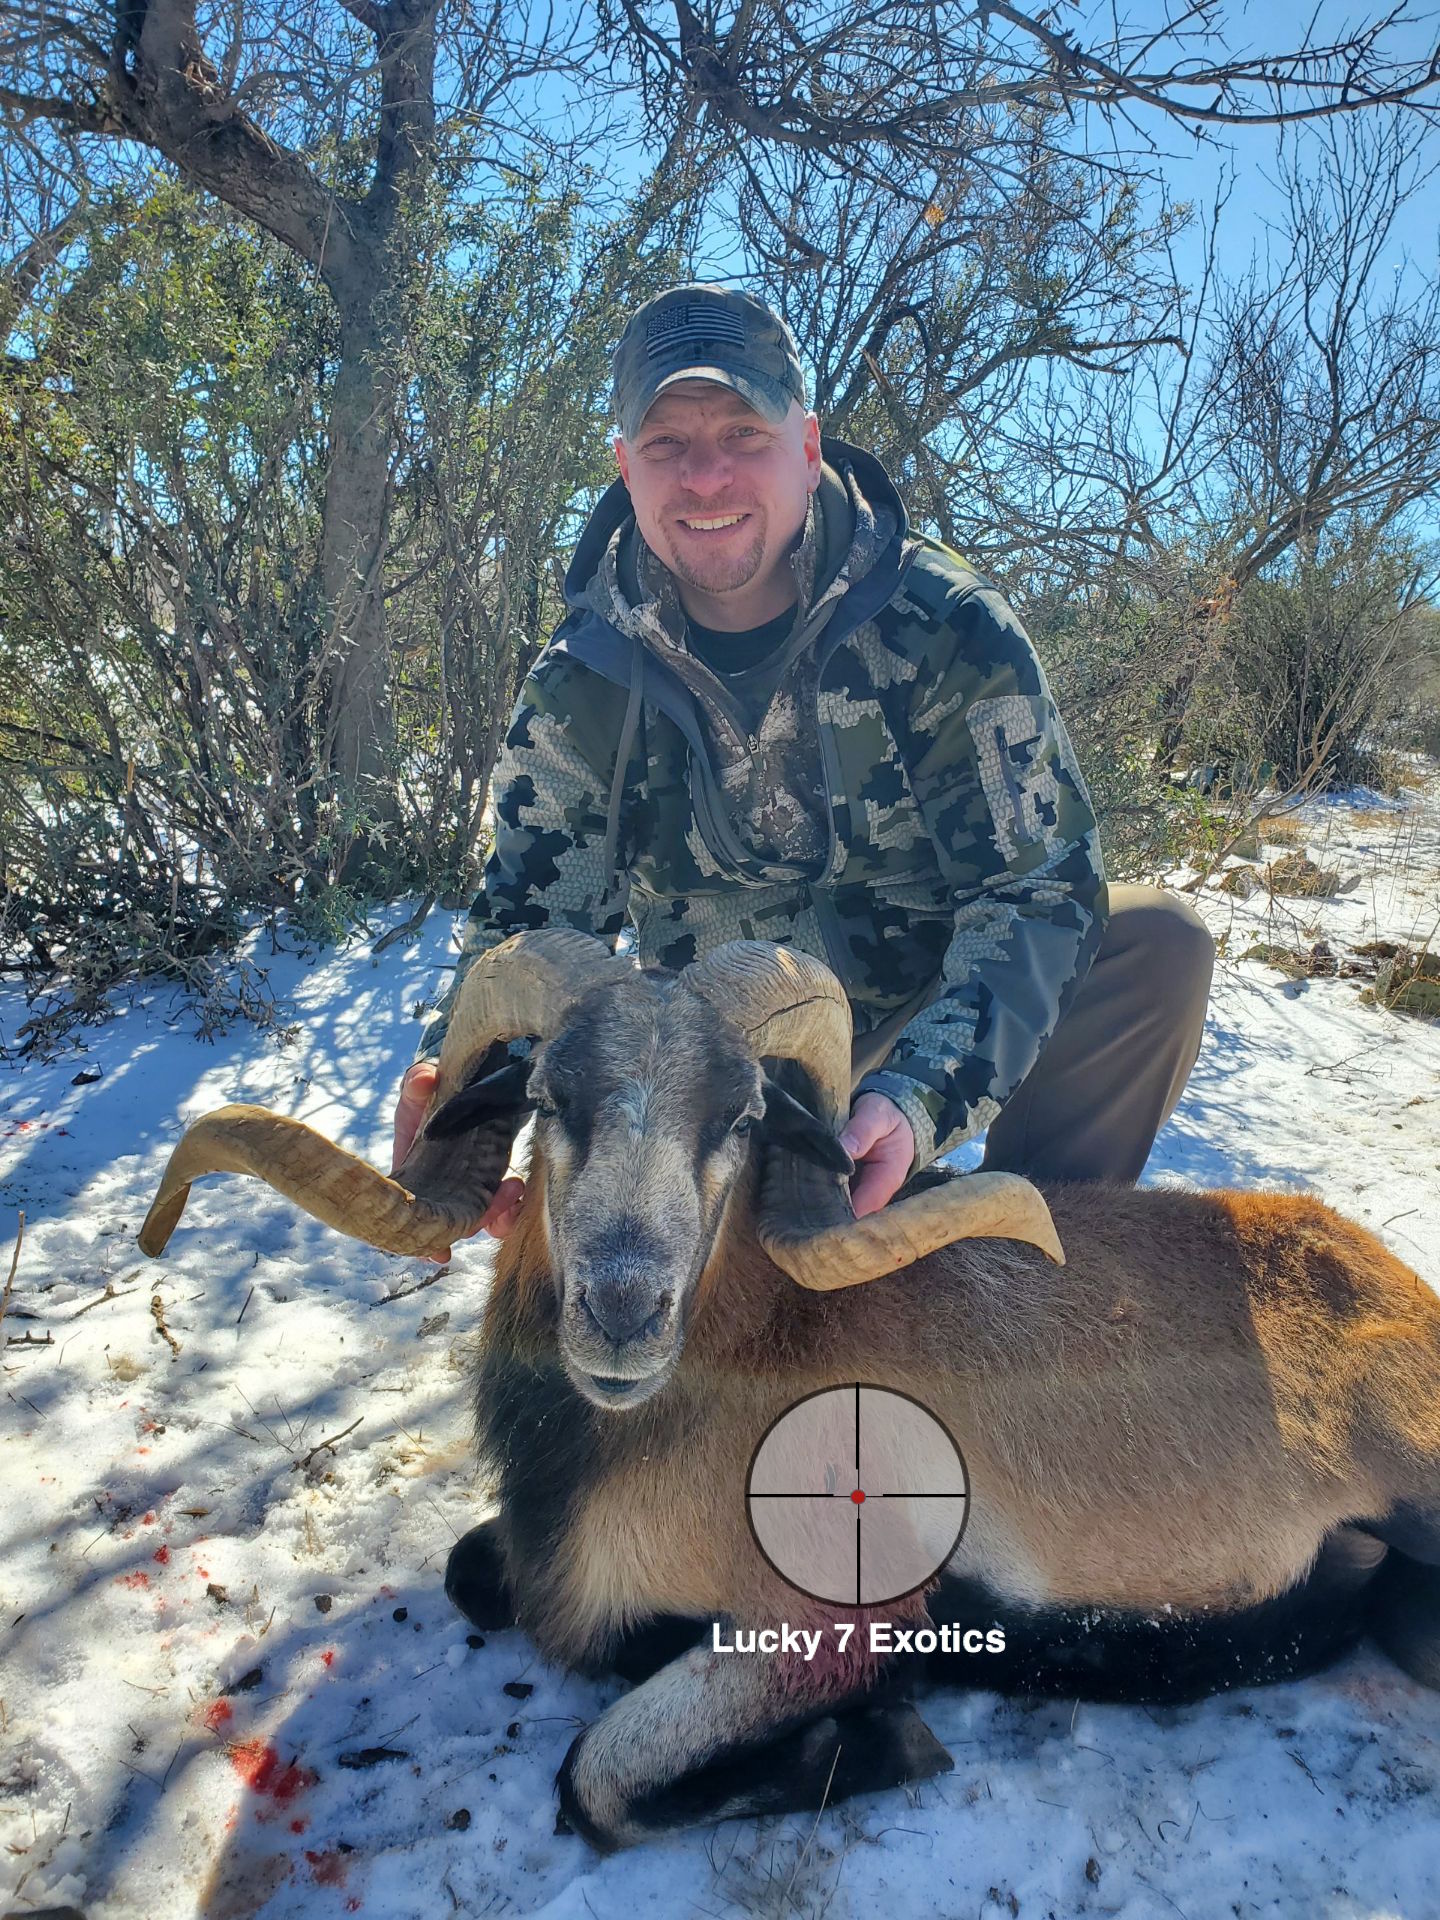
518	1689
512	1732
323	1603
248	1681
87	1077
401	1613
459	1820
217	1593
474	1639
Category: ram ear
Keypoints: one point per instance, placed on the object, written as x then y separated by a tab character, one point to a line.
501	1092
789	1123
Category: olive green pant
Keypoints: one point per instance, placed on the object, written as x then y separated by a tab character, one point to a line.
1113	1070
1115	1067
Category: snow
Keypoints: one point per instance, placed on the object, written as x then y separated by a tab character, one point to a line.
212	1621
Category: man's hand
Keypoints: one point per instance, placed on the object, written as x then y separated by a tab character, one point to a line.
415	1091
879	1138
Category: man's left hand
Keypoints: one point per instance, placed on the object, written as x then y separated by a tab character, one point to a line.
878	1137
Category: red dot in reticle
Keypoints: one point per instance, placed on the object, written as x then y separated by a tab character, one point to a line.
857	1496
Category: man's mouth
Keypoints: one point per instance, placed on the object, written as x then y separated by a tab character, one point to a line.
712	522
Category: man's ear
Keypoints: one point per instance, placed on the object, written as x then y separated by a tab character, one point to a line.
813	456
789	1124
622	458
501	1092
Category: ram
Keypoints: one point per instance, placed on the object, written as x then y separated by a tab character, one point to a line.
1203	1444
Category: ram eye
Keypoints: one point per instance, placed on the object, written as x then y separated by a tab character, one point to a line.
744	1126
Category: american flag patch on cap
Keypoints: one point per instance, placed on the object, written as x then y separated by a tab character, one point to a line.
688	325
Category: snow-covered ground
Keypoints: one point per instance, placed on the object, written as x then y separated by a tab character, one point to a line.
230	1683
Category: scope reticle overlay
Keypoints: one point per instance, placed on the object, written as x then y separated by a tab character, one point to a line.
857	1495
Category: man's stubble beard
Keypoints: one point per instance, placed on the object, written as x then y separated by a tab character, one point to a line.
726	571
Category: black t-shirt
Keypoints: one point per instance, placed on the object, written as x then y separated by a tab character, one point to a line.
747	662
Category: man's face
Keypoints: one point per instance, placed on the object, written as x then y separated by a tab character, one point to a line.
720	493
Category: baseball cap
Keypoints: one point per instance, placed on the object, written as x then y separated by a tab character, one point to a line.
702	332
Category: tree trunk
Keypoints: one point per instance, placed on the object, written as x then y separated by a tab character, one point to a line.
360	730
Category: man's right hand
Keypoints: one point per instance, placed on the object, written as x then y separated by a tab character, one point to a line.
415	1091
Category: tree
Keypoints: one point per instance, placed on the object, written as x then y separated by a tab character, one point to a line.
321	125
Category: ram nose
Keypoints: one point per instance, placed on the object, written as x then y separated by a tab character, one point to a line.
621	1318
626	1310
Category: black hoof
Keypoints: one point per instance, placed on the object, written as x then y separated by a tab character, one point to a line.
475	1579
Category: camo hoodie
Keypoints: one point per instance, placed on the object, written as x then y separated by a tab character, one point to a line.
909	808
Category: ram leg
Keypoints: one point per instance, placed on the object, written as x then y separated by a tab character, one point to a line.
723	1736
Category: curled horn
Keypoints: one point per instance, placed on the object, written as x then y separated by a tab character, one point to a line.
791	1006
443	1188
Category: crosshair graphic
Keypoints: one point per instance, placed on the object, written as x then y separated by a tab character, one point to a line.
857	1495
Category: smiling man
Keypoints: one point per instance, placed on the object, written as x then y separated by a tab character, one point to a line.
776	712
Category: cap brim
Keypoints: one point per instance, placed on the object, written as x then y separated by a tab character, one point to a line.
769	399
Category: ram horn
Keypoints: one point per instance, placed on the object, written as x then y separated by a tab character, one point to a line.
443	1188
791	1006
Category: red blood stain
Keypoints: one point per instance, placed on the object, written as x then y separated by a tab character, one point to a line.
352	1905
142	1449
135	1580
203	1573
162	1554
260	1767
328	1656
217	1713
148	1519
298	1826
328	1868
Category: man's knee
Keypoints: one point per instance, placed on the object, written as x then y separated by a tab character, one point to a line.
1168	933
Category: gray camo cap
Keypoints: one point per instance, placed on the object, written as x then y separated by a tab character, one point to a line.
702	332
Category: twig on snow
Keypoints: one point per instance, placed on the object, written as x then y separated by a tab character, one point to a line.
14	1263
321	1445
157	1308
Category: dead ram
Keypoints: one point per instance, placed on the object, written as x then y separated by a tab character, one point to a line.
1204	1451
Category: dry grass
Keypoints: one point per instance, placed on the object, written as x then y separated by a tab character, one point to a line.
1282	833
1373	817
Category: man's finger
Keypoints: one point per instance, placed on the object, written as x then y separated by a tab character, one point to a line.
880	1177
503	1212
415	1091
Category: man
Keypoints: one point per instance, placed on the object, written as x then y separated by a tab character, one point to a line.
774	712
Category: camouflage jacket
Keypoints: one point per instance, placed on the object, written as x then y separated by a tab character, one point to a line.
910	809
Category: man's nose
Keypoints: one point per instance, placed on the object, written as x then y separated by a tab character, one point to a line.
705	470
